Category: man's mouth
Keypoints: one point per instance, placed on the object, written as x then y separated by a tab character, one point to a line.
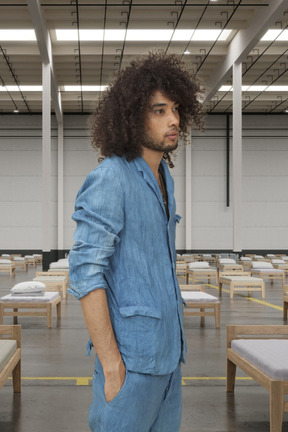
172	135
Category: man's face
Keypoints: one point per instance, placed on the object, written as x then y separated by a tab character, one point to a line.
161	126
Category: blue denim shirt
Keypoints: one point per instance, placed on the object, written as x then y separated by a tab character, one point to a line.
125	244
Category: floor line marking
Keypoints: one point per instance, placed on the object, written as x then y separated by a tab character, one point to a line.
264	303
85	381
81	381
213	378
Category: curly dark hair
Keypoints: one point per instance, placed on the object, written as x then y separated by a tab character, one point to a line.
118	121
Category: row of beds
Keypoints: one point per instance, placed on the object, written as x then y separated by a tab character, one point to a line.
261	351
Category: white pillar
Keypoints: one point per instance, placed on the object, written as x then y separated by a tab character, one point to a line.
46	157
188	194
237	157
60	188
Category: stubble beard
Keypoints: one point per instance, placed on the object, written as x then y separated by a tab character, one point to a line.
159	145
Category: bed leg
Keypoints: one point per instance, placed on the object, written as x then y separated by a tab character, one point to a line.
276	406
231	375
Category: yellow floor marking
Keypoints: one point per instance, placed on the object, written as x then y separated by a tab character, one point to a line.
265	303
212	378
251	298
85	381
81	381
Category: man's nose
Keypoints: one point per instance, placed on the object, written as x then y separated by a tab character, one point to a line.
174	118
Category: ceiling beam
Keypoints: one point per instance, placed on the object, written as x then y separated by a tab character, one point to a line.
243	43
45	48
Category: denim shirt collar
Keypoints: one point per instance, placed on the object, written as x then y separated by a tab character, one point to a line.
150	179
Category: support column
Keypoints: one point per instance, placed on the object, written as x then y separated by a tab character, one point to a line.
237	157
60	188
188	194
46	164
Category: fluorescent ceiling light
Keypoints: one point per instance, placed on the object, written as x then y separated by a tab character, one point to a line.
277	88
271	35
283	36
71	88
23	88
17	35
252	88
203	35
142	35
68	88
90	35
149	35
225	88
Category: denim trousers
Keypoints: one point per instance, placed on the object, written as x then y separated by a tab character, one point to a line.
145	403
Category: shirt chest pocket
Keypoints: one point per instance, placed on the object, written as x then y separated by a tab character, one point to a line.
139	330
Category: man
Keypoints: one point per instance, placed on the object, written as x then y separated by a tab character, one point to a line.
122	265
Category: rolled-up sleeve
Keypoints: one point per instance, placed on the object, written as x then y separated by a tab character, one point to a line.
99	216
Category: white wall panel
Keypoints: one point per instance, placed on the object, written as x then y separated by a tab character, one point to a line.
20	237
265	182
78	163
20	189
275	237
209	188
212	238
261	188
211	214
209	162
270	163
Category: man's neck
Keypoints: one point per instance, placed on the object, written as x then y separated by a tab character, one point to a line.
153	159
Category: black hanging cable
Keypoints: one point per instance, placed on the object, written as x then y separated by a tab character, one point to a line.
214	43
9	94
124	42
176	25
208	4
103	43
278	105
219	101
14	77
79	53
197	25
259	94
257	79
263	52
263	73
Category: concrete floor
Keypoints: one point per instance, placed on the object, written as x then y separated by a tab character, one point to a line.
56	385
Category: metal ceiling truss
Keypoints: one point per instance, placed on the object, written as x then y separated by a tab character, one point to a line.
211	61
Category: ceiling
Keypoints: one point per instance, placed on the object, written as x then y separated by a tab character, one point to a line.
87	63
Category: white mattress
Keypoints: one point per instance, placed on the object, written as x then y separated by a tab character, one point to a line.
7	349
198	296
203	270
270	356
241	278
60	269
269	271
46	297
50	278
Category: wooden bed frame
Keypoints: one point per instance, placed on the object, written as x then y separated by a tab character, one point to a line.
14	363
205	308
276	388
